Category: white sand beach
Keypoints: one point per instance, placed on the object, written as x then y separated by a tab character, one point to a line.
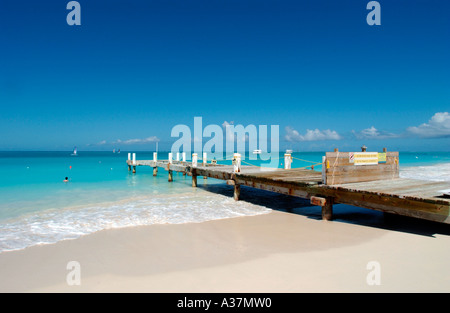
274	252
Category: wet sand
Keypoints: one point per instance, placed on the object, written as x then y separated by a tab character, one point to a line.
274	252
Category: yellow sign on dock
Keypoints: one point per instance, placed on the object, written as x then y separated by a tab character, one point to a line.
382	157
363	158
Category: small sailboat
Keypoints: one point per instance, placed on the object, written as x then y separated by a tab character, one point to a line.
74	153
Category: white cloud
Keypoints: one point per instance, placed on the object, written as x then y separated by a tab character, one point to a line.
373	133
137	141
437	127
311	135
126	142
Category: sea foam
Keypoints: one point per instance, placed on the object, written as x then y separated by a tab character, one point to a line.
437	172
51	226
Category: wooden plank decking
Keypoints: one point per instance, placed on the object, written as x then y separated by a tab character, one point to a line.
409	197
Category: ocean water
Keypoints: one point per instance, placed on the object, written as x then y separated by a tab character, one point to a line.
37	207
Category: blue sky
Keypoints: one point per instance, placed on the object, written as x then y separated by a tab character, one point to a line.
134	69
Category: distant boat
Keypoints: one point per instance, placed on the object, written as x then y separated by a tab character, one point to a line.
114	150
257	151
118	151
74	153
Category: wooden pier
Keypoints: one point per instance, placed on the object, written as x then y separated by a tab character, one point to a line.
357	179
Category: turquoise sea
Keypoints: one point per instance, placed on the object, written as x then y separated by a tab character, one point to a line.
37	207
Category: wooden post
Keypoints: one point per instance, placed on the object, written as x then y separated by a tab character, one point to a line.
155	171
194	178
183	158
204	161
168	167
133	162
194	159
155	156
236	162
129	156
287	161
129	168
324	169
237	192
327	209
384	150
178	156
318	201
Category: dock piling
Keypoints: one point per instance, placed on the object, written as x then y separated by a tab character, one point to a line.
236	162
168	167
327	209
194	178
287	161
237	192
155	159
194	159
204	161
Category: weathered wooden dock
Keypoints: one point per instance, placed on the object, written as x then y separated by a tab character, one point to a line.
364	184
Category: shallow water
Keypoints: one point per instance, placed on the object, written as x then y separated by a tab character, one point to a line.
37	207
